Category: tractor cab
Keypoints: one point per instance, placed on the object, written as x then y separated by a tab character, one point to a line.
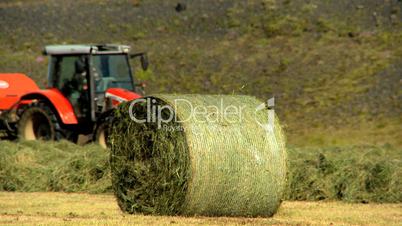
94	78
85	84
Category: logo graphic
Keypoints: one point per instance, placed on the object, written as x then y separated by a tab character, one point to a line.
269	126
211	114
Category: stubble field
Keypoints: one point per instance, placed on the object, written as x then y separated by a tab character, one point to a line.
85	209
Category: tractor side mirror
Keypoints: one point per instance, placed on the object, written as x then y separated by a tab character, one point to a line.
143	59
144	62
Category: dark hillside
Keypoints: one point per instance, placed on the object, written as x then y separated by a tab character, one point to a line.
333	66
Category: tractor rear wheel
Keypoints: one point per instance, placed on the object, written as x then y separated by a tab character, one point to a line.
39	122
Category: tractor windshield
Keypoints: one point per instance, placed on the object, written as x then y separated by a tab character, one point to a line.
111	71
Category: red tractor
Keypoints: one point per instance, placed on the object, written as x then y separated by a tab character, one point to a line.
85	82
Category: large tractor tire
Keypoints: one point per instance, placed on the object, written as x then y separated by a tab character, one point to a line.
39	122
101	134
102	131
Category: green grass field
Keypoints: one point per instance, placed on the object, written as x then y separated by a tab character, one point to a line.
84	209
332	66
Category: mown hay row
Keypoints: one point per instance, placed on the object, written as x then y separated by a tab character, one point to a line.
353	174
349	173
32	166
206	165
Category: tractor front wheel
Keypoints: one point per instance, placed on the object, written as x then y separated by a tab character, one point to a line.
101	132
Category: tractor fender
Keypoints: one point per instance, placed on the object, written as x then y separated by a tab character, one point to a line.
60	103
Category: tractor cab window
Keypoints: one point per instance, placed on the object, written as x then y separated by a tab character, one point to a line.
70	77
111	71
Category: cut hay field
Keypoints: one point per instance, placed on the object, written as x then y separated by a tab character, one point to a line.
334	68
85	209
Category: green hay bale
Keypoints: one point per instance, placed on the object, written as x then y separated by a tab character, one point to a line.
231	167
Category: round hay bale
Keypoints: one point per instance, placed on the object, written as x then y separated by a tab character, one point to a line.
215	157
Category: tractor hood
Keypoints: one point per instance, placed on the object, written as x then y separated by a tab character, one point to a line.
119	95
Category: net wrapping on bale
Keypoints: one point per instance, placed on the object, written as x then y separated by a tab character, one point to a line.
221	161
